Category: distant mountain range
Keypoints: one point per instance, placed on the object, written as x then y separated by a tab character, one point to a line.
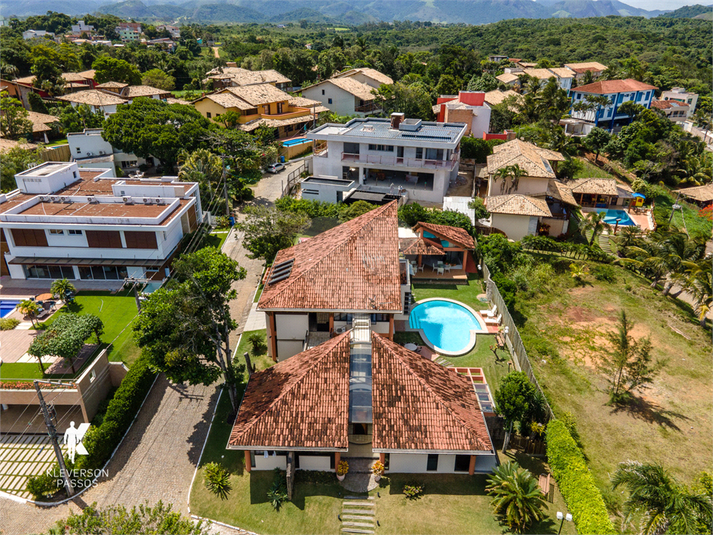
350	12
691	12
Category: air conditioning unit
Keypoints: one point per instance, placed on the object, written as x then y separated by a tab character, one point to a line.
147	200
157	201
54	199
101	152
65	199
340	330
128	200
90	154
92	200
43	198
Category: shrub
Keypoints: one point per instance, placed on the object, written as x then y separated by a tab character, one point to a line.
475	148
604	273
257	344
507	288
575	481
42	486
8	324
217	480
277	495
413	213
413	492
101	441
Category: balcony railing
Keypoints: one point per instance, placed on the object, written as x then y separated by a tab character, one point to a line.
296	112
400	161
368	107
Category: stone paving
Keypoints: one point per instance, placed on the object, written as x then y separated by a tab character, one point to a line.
23	456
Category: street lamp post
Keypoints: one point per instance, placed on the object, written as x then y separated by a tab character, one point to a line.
561	516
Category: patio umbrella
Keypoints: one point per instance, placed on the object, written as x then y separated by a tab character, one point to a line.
639	195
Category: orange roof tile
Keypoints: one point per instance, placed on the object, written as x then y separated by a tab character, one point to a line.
421	405
354	266
301	402
607	87
416	246
452	234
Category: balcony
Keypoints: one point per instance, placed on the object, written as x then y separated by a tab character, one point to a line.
378	159
369	107
296	112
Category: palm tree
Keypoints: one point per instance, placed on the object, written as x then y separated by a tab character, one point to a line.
595	223
699	284
29	308
665	506
62	289
510	174
200	166
516	496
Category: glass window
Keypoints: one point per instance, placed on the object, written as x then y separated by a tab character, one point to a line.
329	100
56	231
74	232
341	316
208	114
462	463
432	463
419	153
79	150
323	91
434	154
85	273
379	317
97	273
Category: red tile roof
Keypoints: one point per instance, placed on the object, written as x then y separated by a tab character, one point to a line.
607	87
667	104
416	246
421	405
354	266
301	402
451	234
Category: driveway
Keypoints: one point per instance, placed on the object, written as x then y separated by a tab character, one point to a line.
158	457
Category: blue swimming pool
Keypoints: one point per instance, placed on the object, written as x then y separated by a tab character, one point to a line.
6	307
612	215
296	141
446	324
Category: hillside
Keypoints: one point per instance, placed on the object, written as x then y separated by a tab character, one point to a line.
355	12
690	12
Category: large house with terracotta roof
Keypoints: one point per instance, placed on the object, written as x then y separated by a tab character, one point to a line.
348	275
350	92
361	395
618	92
84	224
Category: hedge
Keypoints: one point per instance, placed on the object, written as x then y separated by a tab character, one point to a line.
102	440
575	482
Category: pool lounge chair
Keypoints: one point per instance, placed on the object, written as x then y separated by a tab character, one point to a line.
490	313
495	321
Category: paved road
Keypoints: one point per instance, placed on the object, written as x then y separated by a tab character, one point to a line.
159	455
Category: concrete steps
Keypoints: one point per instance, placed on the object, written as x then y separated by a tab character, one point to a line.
357	530
369	512
358	512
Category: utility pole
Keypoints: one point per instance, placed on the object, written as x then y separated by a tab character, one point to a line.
52	432
225	190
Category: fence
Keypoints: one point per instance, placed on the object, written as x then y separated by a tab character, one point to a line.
512	338
293	179
60	153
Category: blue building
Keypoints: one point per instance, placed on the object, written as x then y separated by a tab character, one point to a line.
618	92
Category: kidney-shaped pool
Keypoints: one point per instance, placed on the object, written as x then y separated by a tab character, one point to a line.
448	326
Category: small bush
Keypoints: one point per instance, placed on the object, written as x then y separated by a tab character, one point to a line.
8	324
604	273
277	495
43	486
217	480
257	344
413	492
576	482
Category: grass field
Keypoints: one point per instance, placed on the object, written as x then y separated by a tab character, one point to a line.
564	332
216	239
589	170
117	312
20	370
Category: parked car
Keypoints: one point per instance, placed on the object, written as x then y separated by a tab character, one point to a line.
275	167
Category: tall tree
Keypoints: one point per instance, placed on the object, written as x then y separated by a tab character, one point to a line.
596	140
628	365
13	117
14	161
512	400
268	230
149	127
159	79
663	504
184	329
108	69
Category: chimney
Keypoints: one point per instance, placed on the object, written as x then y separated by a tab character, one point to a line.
511	134
396	119
231	64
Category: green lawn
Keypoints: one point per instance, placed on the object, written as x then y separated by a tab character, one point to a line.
589	170
216	239
56	142
260	360
20	370
117	312
564	332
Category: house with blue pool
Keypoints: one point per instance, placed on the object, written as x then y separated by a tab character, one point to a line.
618	92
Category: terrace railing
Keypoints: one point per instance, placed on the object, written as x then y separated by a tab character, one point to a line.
512	338
294	178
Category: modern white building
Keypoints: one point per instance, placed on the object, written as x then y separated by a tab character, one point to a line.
679	94
407	157
67	222
89	150
80	27
36	34
618	92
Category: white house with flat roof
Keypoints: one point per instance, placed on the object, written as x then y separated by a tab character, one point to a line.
410	157
89	150
67	222
679	94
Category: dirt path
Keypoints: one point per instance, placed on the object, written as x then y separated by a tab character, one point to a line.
215	51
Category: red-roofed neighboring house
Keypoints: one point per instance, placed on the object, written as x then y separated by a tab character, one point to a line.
355	396
618	92
468	107
674	110
440	247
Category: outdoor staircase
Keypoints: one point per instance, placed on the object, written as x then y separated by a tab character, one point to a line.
604	243
358	514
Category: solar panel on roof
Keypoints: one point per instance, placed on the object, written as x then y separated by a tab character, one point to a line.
273	280
281	271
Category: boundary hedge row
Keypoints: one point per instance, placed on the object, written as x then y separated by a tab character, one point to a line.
575	482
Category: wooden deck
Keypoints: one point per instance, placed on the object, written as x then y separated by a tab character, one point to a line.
458	276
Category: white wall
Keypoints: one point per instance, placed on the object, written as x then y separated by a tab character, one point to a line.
309	462
87	145
515	227
525	186
415	463
481	121
342	101
288	348
270	462
291	326
381	327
